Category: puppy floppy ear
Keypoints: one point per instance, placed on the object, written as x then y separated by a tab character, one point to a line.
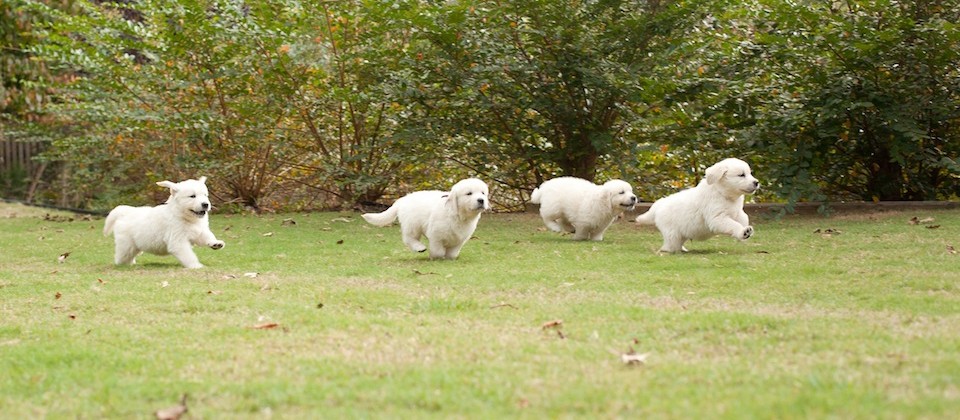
715	172
452	201
203	180
168	184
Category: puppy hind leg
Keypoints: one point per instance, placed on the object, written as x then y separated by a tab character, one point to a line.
673	244
552	225
125	253
411	238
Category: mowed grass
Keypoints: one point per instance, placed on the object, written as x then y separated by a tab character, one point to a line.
864	323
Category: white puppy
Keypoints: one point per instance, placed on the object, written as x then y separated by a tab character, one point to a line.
447	219
714	207
170	228
579	206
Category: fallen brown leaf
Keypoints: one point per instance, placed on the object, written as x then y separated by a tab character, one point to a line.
420	273
57	296
503	305
213	292
228	276
552	324
72	316
63	257
340	242
102	281
288	222
951	250
914	221
932	226
268	234
265	326
251	275
174	412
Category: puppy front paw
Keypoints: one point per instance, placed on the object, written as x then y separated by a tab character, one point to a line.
747	233
217	245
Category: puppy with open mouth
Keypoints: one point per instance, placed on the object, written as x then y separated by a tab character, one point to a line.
172	228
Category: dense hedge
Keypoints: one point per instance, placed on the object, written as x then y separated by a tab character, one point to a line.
315	104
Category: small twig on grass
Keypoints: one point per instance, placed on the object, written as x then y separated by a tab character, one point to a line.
502	305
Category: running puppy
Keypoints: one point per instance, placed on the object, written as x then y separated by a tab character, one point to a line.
581	207
170	228
447	219
714	207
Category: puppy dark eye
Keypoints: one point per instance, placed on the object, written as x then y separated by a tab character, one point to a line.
622	192
743	175
193	196
469	193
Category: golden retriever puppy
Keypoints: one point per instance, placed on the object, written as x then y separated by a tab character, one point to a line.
446	219
578	206
714	207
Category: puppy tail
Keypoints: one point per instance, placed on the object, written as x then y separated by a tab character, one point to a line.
382	219
648	218
112	218
535	196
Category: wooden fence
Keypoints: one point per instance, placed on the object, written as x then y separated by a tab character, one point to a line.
18	154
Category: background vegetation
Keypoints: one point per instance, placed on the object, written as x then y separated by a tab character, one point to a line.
315	104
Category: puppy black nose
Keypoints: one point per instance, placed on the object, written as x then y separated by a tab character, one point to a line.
633	199
756	183
480	200
205	206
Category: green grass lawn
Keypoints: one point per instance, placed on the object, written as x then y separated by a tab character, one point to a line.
864	323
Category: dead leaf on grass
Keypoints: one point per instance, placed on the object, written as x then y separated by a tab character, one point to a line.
213	292
288	222
951	250
164	284
102	281
174	412
58	295
228	276
826	233
265	326
72	316
557	323
268	234
503	305
63	257
340	242
251	275
932	227
341	219
420	273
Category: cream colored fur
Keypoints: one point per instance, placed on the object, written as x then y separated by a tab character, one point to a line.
171	228
446	219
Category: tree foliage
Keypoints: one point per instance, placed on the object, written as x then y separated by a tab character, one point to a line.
313	103
846	99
